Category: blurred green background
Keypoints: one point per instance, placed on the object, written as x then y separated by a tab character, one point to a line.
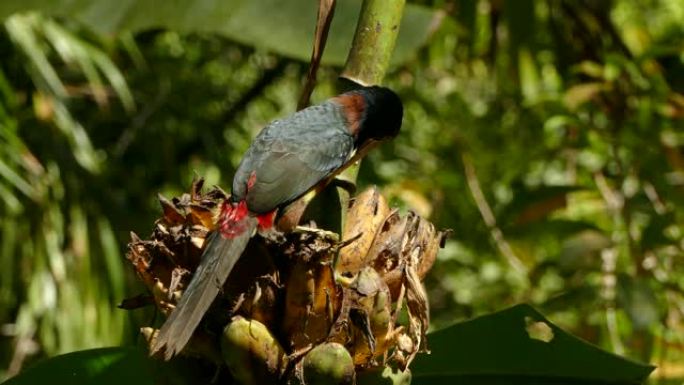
548	134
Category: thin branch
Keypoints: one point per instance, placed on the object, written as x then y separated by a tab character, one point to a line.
488	216
326	11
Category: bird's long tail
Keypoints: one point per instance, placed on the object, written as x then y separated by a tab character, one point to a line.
220	254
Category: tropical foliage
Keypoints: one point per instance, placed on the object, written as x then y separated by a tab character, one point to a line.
547	134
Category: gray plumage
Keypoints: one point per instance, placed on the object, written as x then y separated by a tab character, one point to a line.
292	155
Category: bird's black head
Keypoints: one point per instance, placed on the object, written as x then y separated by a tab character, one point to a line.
382	115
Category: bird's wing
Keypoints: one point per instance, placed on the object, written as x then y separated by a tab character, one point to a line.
291	156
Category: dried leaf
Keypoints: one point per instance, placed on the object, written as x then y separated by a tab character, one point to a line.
312	297
366	214
286	283
371	299
172	215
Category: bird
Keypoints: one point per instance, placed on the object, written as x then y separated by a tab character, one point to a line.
287	159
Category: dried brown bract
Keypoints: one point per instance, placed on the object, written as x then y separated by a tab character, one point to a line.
298	303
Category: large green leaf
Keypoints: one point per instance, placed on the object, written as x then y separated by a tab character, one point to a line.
96	367
519	346
284	27
116	365
514	346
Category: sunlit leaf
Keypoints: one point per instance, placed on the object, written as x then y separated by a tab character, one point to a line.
577	95
20	30
112	257
71	50
7	173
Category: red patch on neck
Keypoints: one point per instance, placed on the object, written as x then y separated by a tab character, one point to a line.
231	223
354	106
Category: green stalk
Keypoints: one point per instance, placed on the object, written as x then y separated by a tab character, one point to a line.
369	59
376	34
